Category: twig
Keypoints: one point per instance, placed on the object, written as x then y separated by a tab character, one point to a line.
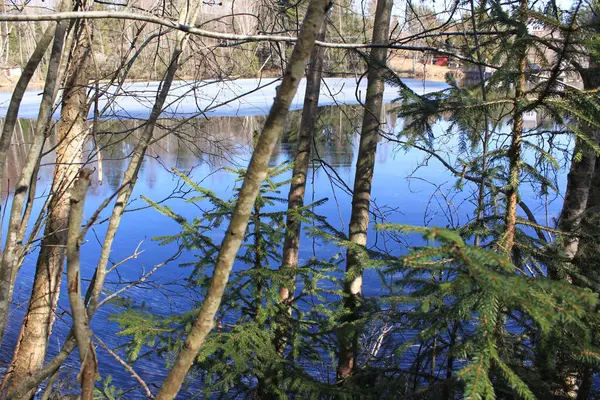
135	254
128	367
141	280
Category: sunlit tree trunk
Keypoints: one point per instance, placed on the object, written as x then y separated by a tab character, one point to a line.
82	332
72	133
187	16
507	242
255	175
291	245
361	199
9	263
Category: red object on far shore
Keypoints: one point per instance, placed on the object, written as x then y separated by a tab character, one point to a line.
442	61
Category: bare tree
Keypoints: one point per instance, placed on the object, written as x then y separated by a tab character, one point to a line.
72	135
17	95
188	15
211	38
9	264
82	332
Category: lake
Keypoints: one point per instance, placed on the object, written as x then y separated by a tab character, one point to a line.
206	128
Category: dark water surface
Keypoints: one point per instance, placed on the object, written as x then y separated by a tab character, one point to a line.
203	147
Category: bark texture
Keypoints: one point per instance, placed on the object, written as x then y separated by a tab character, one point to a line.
9	263
255	175
72	134
576	197
579	182
81	329
92	298
580	217
308	125
361	199
291	244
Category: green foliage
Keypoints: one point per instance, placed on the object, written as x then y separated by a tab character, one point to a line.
460	320
499	310
106	390
240	355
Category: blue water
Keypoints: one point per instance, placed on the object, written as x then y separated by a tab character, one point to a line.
404	191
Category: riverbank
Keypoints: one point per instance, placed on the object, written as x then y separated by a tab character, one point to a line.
7	85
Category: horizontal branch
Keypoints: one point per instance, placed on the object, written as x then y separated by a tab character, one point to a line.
173	24
59	16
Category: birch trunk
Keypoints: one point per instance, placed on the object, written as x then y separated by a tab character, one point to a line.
187	16
255	175
9	264
72	133
361	199
576	197
580	216
579	181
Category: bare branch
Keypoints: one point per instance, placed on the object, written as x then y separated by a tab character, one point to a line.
128	367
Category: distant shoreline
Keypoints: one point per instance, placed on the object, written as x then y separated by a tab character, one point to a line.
7	86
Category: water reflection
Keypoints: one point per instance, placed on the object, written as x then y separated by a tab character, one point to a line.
202	147
186	143
199	146
181	144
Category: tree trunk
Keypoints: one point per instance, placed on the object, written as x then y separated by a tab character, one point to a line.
82	332
291	244
255	175
72	133
187	17
580	216
361	199
507	242
576	198
17	95
9	264
5	37
579	180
